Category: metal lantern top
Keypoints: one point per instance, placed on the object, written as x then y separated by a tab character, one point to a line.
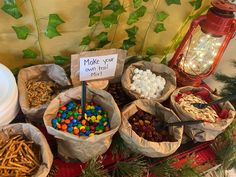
224	5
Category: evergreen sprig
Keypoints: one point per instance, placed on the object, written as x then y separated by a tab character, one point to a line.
119	147
225	147
229	84
94	168
136	167
165	168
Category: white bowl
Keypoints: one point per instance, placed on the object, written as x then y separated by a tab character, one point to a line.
9	106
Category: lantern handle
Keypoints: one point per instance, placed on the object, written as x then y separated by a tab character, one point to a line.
193	26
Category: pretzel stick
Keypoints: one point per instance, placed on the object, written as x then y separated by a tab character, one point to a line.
18	158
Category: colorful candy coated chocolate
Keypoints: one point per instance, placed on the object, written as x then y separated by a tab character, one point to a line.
69	119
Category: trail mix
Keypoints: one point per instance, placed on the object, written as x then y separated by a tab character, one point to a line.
147	84
40	92
19	157
145	125
208	114
116	90
70	119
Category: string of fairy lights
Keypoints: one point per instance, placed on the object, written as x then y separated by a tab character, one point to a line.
199	55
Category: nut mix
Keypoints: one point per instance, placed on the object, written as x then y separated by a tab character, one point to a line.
119	95
40	92
19	157
144	124
208	114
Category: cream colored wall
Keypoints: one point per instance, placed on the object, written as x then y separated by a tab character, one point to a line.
75	14
225	66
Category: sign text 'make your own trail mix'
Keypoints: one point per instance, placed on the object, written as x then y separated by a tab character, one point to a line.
97	67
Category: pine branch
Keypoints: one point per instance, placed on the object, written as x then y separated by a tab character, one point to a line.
165	169
225	147
118	146
134	168
224	78
94	168
187	171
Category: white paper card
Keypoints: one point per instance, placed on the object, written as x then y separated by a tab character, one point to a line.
97	67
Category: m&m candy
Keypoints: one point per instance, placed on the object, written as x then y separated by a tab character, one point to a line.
70	119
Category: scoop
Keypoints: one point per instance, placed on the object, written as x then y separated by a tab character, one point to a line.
202	105
161	125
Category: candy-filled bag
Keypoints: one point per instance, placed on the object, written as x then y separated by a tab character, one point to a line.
74	146
36	86
36	161
151	83
216	118
137	136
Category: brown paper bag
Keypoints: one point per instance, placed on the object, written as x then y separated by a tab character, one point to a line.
158	69
99	84
39	72
32	133
204	131
83	148
141	145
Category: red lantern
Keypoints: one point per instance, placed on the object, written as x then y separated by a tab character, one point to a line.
204	44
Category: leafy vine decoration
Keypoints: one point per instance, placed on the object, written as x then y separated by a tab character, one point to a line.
22	32
107	15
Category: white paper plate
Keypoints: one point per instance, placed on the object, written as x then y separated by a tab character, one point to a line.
8	96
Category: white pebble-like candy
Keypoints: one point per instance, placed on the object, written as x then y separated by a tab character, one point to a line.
147	84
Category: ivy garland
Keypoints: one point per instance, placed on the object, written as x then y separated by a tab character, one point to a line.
22	32
98	14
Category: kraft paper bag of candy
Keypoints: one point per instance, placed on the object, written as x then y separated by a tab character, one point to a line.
43	72
208	130
159	70
84	148
34	134
141	145
99	84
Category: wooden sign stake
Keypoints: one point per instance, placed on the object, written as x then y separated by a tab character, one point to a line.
83	101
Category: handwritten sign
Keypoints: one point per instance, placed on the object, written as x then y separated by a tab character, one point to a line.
97	67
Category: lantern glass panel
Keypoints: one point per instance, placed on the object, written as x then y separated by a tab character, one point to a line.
199	52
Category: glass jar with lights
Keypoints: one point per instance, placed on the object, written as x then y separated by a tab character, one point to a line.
204	44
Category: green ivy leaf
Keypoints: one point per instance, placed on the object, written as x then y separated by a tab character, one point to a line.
169	2
196	4
21	31
128	43
93	20
53	22
150	51
51	32
161	16
102	39
137	3
86	40
94	7
159	28
134	16
132	31
11	8
114	5
28	53
120	11
109	20
60	60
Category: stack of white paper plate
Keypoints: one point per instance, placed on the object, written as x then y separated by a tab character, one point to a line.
9	106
